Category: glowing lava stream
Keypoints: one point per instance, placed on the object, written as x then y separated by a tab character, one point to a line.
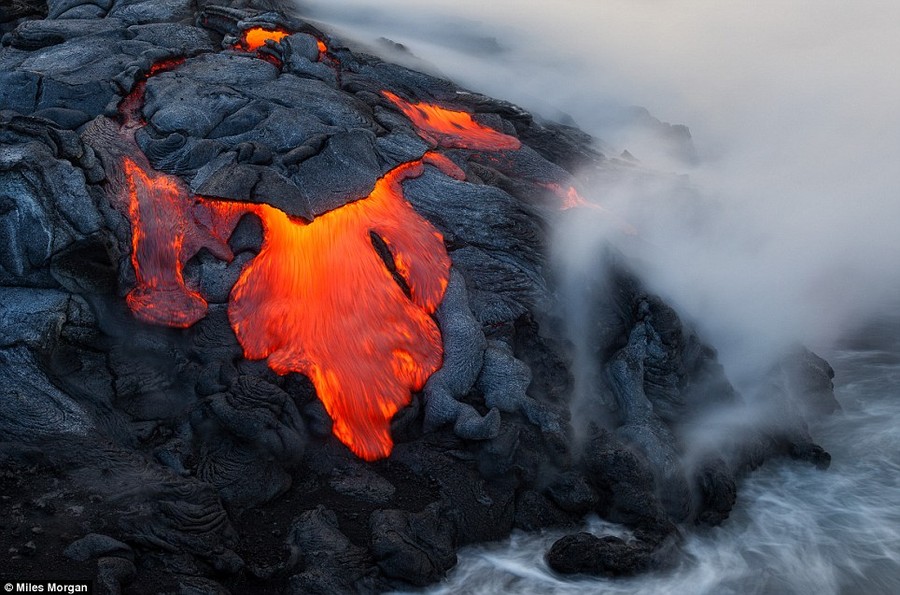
317	299
164	236
451	128
571	199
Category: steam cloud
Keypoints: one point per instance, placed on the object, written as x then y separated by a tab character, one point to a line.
785	227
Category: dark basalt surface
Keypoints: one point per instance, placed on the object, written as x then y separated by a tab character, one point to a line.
158	460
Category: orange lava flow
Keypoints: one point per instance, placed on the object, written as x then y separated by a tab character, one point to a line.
164	236
451	128
317	299
256	37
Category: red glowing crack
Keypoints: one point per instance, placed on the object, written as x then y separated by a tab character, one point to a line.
571	199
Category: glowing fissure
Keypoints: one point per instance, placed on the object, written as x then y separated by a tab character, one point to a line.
451	128
317	299
572	200
130	107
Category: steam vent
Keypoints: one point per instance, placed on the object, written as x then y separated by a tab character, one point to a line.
278	316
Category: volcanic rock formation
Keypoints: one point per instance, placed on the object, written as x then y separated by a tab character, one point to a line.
277	316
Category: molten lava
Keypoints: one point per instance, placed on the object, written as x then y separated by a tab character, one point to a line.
451	128
164	235
256	37
317	300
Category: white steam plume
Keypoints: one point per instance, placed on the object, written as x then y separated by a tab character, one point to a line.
794	107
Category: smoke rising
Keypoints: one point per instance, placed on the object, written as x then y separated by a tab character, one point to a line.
777	221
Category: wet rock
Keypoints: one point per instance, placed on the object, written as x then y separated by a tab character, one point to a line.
584	553
535	512
811	453
718	490
571	492
641	426
810	380
624	484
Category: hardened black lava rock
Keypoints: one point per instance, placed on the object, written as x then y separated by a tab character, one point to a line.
155	459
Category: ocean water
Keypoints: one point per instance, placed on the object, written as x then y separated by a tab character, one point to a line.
794	530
